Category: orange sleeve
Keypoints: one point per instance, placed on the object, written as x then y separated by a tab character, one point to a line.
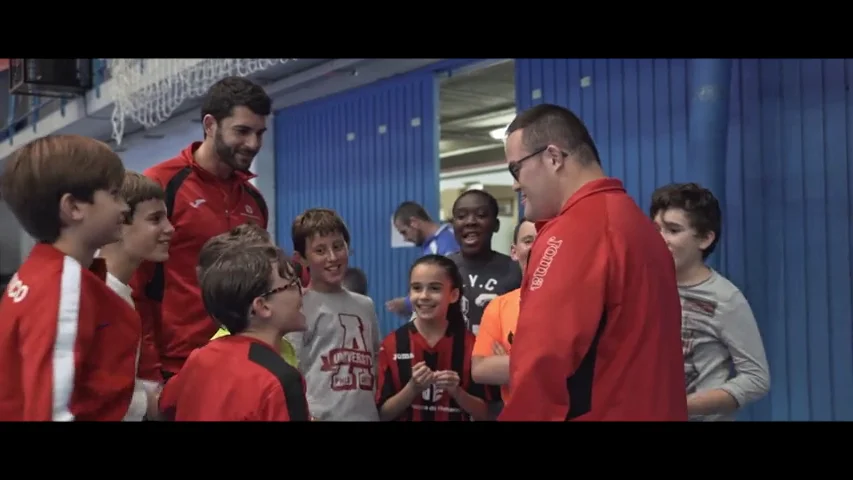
490	329
55	335
561	312
149	313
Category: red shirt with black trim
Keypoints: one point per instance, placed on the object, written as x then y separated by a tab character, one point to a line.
200	205
406	347
598	336
236	378
68	343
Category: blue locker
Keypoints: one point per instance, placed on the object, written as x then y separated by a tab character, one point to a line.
787	235
361	153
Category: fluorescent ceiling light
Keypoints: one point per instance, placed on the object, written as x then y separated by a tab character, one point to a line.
498	133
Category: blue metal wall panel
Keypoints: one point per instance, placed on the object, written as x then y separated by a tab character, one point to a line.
787	237
334	153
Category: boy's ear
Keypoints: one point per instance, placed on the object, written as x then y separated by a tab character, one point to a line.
497	225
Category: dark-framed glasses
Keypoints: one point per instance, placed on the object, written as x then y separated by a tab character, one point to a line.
515	167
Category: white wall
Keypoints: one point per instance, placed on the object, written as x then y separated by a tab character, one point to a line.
489	175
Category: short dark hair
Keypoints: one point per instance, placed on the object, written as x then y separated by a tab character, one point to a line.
238	237
699	204
491	201
232	92
138	188
547	123
316	221
355	280
39	173
233	281
408	209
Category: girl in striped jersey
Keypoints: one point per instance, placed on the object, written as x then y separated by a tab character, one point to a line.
425	366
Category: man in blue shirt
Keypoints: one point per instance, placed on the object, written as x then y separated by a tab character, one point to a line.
415	225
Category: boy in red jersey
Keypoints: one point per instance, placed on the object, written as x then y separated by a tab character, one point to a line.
67	342
254	292
146	234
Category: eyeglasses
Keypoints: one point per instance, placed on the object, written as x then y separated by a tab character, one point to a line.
295	283
515	167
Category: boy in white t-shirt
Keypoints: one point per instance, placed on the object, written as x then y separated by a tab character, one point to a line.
338	350
146	234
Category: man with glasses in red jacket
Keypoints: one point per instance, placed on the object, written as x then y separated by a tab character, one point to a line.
599	329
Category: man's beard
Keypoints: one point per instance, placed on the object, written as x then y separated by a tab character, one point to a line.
228	154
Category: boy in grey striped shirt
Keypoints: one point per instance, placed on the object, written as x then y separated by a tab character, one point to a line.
725	365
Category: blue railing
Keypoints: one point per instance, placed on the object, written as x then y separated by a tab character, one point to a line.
19	118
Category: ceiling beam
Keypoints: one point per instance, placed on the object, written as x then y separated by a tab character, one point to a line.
480	116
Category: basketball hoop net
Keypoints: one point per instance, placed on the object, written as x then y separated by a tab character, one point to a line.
149	90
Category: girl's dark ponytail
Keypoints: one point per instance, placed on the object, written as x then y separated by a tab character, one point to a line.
455	317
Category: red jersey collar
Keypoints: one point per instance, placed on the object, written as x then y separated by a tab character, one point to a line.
187	156
607	184
48	252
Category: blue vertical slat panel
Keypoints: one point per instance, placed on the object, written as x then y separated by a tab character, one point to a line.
361	153
789	165
787	235
632	108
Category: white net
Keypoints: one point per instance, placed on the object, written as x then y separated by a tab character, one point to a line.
148	90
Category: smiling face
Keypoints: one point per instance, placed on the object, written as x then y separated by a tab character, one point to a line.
431	291
682	239
535	177
327	257
238	138
147	235
474	223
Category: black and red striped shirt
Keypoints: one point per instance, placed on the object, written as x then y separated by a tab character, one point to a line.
406	347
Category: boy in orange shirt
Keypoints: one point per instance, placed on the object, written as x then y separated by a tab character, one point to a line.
490	359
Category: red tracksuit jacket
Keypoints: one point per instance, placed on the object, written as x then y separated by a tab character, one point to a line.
68	343
599	331
236	378
167	295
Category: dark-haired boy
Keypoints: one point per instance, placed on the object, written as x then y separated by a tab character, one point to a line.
239	237
338	350
486	273
255	293
146	234
67	342
725	365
